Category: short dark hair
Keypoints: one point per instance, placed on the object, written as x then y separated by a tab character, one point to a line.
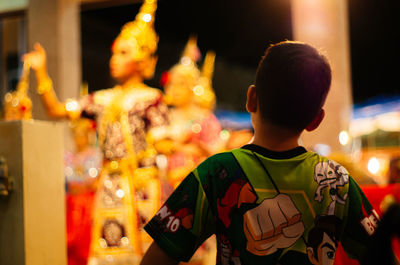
292	82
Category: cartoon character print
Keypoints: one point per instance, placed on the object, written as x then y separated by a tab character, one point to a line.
370	221
323	240
237	193
229	201
330	175
274	224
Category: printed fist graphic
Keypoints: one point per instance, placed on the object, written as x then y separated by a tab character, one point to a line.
275	223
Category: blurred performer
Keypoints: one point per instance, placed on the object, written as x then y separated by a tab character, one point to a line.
82	167
194	128
129	117
17	104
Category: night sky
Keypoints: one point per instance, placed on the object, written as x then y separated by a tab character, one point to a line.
239	32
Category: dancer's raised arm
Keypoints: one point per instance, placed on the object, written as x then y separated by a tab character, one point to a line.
38	61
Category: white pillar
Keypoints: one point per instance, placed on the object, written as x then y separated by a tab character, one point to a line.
56	25
324	24
32	217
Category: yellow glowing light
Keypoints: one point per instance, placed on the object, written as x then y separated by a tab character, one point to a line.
373	165
93	172
114	164
8	97
224	135
120	193
198	90
344	137
196	128
146	17
15	102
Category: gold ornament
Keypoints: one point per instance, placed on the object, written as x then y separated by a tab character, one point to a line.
205	96
184	75
140	32
191	53
45	86
17	104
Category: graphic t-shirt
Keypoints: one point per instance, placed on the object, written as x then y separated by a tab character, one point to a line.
266	207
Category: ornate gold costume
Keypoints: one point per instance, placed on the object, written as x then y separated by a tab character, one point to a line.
129	187
129	190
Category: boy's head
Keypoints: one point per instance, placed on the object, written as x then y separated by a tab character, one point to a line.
292	82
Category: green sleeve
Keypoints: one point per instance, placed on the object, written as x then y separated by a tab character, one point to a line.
360	222
184	222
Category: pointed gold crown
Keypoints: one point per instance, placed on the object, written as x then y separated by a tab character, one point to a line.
205	96
191	52
207	70
140	32
185	74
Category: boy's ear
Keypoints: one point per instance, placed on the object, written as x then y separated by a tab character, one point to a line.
251	102
317	121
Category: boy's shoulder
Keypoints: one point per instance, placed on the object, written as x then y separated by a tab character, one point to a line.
213	165
232	156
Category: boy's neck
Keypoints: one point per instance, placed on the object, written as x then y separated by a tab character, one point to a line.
275	138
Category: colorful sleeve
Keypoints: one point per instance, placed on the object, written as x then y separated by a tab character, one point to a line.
360	223
184	222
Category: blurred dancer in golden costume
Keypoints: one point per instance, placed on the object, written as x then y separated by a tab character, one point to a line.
129	117
194	128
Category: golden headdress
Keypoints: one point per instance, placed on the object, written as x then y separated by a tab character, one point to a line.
140	32
185	74
17	104
205	96
191	52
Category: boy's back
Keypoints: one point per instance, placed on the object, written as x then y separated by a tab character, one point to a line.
265	207
286	206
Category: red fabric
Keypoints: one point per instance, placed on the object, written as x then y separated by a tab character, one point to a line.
375	195
79	220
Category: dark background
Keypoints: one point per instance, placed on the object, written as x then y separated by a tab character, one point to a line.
239	31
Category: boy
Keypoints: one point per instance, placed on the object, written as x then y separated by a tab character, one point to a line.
262	200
